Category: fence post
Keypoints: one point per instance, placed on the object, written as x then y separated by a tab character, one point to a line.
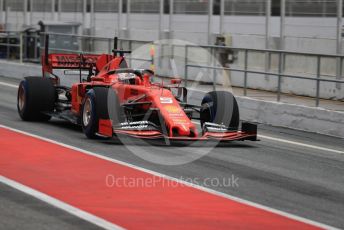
21	43
35	52
280	66
110	45
131	56
339	40
186	66
317	97
245	73
213	63
7	46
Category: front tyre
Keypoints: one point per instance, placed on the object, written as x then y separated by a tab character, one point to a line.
89	118
99	103
220	107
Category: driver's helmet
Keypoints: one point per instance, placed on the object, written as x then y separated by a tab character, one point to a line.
126	78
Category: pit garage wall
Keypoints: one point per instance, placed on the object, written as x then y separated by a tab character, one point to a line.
316	120
302	34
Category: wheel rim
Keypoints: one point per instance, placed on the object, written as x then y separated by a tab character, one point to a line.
86	117
21	98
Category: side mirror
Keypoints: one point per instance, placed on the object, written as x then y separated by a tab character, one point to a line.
176	81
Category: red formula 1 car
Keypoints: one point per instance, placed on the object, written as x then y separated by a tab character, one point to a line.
114	99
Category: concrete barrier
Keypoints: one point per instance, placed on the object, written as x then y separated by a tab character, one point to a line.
310	119
298	117
304	118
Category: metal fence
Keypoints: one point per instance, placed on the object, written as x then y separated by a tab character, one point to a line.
279	74
28	48
15	46
11	45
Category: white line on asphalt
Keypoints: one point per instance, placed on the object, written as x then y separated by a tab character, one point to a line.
301	144
211	191
8	84
59	204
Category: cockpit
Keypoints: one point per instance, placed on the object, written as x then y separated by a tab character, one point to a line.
133	76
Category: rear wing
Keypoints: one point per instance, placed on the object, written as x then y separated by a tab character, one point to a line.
70	61
76	61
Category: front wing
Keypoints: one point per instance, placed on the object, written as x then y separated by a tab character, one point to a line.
248	132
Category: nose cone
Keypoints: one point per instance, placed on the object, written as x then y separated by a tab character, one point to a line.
183	130
178	123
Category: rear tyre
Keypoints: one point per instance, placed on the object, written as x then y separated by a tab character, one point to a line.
35	96
220	107
95	107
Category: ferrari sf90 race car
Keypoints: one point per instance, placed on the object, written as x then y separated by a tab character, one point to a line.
116	100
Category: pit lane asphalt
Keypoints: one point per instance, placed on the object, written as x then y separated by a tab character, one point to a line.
21	211
305	182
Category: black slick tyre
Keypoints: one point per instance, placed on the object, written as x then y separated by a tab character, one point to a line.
220	107
99	103
36	96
